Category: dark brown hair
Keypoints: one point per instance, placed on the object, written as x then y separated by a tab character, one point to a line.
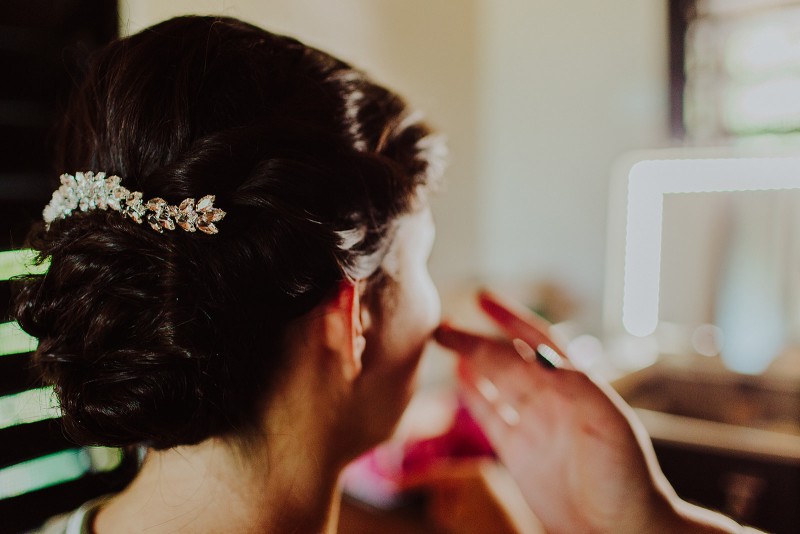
167	339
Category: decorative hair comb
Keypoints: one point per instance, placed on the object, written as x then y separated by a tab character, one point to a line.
89	191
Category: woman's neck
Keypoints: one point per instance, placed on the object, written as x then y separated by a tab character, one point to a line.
284	479
282	486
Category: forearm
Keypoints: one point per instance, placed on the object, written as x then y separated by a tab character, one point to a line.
692	519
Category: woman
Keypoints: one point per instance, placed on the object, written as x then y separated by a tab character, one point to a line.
249	299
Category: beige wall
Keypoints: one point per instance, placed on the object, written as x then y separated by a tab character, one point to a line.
565	88
537	98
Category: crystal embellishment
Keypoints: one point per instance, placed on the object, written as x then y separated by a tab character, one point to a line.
87	191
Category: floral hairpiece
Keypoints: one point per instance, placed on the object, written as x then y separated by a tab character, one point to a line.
89	191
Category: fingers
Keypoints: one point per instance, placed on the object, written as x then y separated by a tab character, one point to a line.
545	355
501	378
510	315
518	322
487	412
493	358
488	356
475	345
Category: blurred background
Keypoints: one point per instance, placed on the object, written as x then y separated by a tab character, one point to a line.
546	106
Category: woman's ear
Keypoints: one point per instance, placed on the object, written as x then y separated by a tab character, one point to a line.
344	331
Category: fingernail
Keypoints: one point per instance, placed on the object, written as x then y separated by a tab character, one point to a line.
525	351
547	354
544	354
487	389
508	414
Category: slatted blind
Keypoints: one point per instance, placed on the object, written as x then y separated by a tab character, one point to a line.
43	44
41	472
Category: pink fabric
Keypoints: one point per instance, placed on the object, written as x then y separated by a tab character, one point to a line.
377	476
464	439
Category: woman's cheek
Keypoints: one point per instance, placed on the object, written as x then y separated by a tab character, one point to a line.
425	308
432	311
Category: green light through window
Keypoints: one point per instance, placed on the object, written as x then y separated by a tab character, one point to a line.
14	340
38	405
28	407
55	469
17	262
42	472
13	263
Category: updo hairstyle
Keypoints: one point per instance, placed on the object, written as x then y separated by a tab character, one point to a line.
167	339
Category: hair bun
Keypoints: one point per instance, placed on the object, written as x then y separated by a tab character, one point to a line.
107	332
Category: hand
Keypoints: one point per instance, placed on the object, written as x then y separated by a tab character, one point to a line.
579	455
473	496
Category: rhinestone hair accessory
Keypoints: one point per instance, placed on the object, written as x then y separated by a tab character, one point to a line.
88	191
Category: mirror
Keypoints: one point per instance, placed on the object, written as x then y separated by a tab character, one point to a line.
703	256
730	273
